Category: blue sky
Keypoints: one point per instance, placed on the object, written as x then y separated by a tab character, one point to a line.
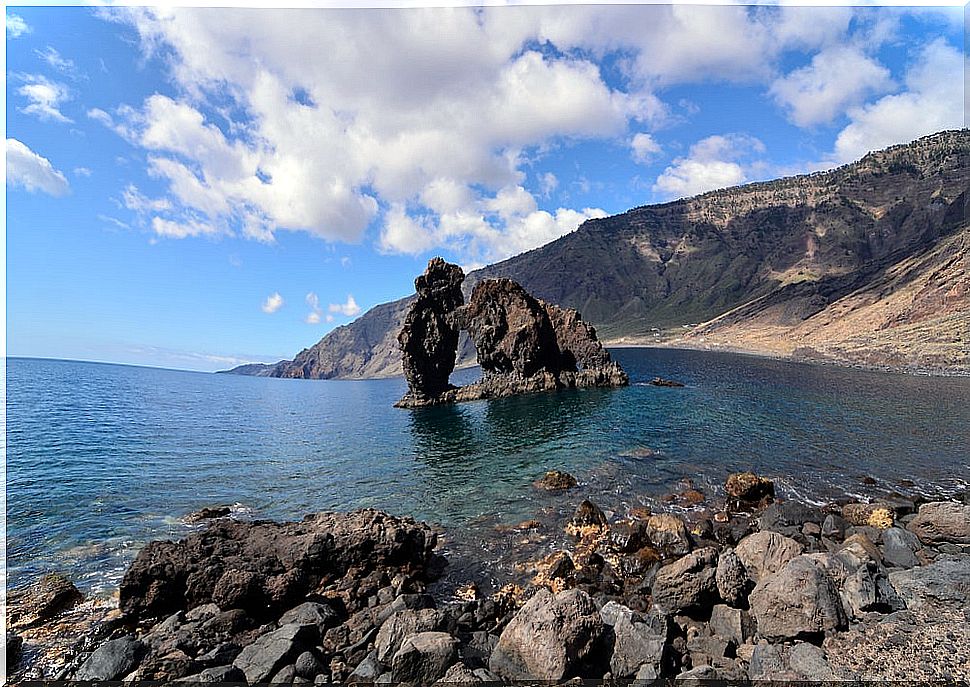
197	188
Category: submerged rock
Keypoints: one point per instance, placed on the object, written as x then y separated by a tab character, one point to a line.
556	480
523	344
50	595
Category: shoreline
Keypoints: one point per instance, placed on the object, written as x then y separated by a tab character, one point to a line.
671	592
680	344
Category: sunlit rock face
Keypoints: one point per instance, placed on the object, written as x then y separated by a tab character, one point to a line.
523	344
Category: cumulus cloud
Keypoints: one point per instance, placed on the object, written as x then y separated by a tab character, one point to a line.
32	172
16	26
933	100
644	148
350	308
272	303
838	77
712	163
44	97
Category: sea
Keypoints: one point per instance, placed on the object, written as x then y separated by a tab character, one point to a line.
103	458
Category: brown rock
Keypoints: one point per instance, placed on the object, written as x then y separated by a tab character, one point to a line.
46	598
868	514
747	491
556	480
942	521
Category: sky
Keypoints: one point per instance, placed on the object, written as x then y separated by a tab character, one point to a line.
199	188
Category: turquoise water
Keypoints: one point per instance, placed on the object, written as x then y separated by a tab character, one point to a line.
102	458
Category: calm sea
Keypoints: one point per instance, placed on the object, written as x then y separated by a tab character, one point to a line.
102	458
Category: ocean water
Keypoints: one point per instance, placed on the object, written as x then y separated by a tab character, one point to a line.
102	458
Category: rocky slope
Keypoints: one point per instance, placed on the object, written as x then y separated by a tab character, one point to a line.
755	263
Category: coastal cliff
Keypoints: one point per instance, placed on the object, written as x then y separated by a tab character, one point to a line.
781	267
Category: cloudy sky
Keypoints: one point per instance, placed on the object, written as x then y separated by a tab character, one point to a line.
195	188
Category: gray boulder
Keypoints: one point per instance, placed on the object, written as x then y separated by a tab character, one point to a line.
834	527
311	613
732	623
401	624
367	670
687	584
899	547
942	521
216	675
765	553
308	665
112	660
798	600
731	578
424	657
550	638
944	583
268	654
699	673
635	644
800	662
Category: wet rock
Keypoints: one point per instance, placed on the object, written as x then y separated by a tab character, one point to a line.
209	513
424	657
732	578
550	638
943	584
14	646
660	381
50	595
635	644
268	654
668	534
788	517
628	535
170	576
556	480
765	553
403	624
687	584
942	521
732	623
112	660
899	547
748	491
868	514
587	518
799	600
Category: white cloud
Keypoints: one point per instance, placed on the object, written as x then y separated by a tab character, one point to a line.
16	26
712	163
345	261
32	172
350	308
171	229
53	58
837	78
315	312
547	184
933	100
272	303
82	171
44	97
644	148
136	201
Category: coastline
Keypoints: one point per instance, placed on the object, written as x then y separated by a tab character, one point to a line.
686	590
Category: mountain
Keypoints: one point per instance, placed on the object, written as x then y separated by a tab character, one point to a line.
865	264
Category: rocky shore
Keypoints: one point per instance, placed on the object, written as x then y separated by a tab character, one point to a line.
748	587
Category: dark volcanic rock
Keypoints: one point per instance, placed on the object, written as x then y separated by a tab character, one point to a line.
748	491
556	480
285	559
112	660
523	344
424	657
268	654
799	600
50	595
687	584
429	337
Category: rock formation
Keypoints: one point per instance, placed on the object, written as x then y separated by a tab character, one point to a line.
523	344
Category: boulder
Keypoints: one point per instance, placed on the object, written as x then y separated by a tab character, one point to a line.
424	657
747	491
402	624
367	670
308	665
635	644
943	584
112	660
868	514
732	578
668	534
587	519
269	653
14	644
287	559
834	527
47	597
209	513
799	663
899	547
797	601
765	553
556	480
311	613
942	522
242	589
687	584
550	638
788	517
216	675
732	623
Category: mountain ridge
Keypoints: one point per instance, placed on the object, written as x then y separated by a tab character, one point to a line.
779	252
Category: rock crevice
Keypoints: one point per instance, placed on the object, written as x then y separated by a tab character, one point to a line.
523	344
